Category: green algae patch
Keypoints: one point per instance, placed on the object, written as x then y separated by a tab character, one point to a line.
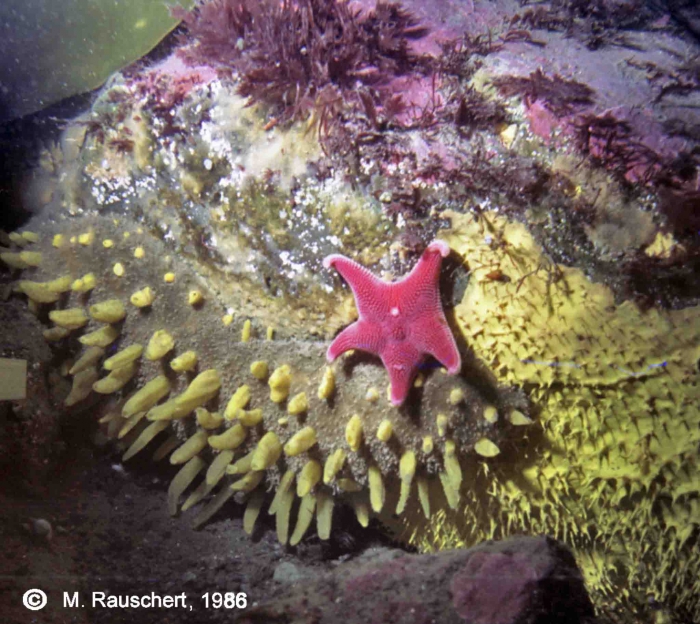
56	50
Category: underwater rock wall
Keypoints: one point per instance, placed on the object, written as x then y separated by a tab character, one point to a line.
134	323
572	291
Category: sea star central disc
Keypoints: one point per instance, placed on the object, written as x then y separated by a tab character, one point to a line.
402	322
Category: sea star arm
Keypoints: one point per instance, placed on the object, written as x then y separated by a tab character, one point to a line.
360	335
367	288
434	337
420	283
401	364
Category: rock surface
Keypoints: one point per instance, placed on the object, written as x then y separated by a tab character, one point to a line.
523	580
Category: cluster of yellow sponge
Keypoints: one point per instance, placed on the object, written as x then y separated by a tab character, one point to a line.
612	465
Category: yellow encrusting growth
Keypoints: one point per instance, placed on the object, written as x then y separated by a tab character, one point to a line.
300	442
18	239
13	260
159	345
486	448
230	439
353	433
58	240
73	318
87	238
491	414
111	311
452	479
88	360
250	418
102	337
517	418
237	402
185	362
195	297
248	483
227	319
169	278
139	252
85	283
327	385
334	464
123	357
244	464
118	269
267	452
442	421
407	470
108	243
147	396
298	404
608	464
309	476
385	431
30	258
54	334
143	298
190	448
207	419
259	370
82	386
280	382
611	464
377	492
306	514
372	394
116	379
245	332
456	396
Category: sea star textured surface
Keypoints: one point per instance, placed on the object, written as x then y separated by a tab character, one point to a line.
402	322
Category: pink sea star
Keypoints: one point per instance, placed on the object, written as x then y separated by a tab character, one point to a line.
402	322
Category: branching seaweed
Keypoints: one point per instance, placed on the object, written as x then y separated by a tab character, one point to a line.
597	23
286	53
561	96
609	142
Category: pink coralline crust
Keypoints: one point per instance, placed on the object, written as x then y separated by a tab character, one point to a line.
419	93
493	587
175	67
166	85
542	121
402	322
